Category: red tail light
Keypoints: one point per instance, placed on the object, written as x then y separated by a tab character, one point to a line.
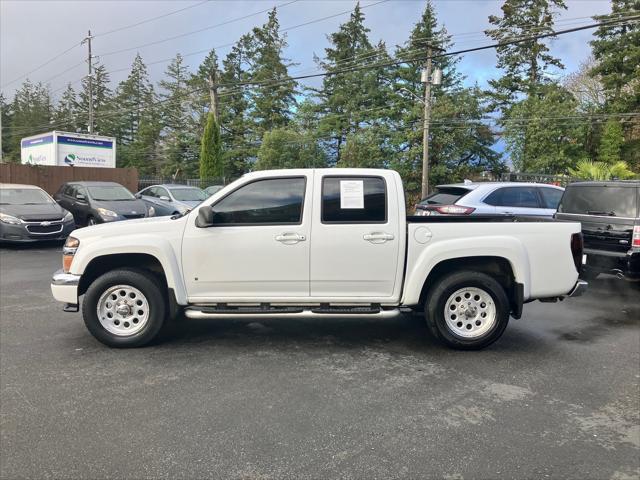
636	236
576	250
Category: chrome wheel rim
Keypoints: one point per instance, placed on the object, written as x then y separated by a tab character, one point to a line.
123	310
470	312
91	221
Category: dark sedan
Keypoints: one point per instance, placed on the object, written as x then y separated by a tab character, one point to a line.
100	202
29	214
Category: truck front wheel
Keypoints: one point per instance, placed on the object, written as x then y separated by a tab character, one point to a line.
124	308
467	310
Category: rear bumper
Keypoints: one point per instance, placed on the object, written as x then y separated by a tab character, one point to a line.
578	289
64	287
625	264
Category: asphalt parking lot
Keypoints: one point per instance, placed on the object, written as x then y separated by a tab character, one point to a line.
557	396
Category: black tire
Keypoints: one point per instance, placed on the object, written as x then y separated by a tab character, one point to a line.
445	287
589	274
141	280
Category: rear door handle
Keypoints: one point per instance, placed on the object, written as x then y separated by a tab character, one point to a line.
377	237
290	238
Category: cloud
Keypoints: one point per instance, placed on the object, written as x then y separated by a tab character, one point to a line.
34	31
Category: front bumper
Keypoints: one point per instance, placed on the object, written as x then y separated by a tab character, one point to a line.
64	287
20	233
578	289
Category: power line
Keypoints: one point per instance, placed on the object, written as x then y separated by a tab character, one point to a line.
149	20
193	32
52	59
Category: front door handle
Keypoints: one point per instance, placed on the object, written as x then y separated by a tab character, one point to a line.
378	237
290	238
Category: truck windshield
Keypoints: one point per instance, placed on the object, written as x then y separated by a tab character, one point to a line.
188	194
23	196
110	193
603	200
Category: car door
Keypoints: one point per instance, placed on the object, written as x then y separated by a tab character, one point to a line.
355	239
515	200
258	248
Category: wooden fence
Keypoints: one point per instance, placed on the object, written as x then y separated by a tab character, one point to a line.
50	178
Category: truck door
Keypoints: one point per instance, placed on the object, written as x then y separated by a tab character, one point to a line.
356	237
257	249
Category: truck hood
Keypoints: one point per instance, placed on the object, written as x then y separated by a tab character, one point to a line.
129	227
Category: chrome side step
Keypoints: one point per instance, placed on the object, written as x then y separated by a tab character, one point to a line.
296	312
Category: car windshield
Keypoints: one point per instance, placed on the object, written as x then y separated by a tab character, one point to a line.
603	200
188	194
445	196
24	196
110	193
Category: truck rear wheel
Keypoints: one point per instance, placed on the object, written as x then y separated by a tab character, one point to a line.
467	310
124	308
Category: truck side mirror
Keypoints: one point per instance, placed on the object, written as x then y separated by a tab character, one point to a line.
205	217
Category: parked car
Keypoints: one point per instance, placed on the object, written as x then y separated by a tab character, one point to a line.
29	214
610	216
171	199
317	243
492	198
100	202
213	189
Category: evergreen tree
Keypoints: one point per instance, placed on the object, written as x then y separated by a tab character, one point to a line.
6	128
538	135
351	101
134	107
287	148
65	115
524	64
458	149
211	161
617	53
30	114
101	101
180	146
273	102
611	142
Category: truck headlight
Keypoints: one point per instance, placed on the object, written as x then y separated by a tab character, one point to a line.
68	251
68	217
151	212
107	214
9	219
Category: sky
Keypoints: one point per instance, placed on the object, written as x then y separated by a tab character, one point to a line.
33	32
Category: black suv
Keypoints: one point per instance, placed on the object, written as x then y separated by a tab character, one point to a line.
610	217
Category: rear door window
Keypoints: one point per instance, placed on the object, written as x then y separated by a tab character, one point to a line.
550	197
519	197
336	208
604	200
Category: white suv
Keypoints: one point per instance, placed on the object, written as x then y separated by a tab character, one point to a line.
484	198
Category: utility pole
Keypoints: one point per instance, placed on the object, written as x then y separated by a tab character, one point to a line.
87	40
428	78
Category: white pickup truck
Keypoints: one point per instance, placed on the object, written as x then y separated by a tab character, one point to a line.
316	243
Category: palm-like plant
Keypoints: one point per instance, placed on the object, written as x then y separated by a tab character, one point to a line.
589	170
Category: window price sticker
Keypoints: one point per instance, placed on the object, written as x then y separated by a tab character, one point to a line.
351	194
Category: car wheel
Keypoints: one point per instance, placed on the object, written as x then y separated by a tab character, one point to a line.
467	310
124	308
91	221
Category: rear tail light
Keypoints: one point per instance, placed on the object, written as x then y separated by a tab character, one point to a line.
576	250
636	236
448	210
